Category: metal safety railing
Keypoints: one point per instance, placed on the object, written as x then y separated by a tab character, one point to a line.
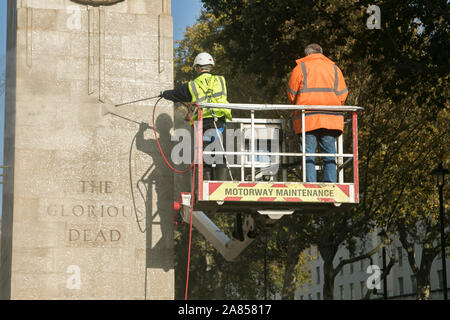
249	153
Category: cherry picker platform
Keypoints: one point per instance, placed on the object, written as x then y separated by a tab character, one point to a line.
259	154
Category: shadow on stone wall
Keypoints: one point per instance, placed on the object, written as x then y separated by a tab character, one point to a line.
158	177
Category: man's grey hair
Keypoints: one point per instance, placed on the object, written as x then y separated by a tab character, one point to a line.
207	67
313	48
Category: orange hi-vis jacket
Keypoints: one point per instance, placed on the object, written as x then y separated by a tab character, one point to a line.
316	80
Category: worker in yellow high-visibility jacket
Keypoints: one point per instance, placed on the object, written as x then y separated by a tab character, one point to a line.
206	88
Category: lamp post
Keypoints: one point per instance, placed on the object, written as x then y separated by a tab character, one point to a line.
440	173
383	235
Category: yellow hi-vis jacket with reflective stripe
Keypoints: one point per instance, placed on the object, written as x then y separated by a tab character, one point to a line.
212	89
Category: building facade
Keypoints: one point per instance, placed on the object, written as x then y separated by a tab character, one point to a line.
351	282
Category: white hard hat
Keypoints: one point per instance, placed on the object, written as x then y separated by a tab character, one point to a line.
203	59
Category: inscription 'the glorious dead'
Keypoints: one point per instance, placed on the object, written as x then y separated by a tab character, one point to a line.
90	233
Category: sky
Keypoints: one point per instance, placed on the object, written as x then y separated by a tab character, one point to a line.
184	13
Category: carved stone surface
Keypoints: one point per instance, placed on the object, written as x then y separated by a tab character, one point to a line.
69	228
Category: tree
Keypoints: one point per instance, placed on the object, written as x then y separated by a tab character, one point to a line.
418	222
291	246
259	270
393	72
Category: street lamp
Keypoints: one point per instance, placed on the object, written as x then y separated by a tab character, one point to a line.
383	235
440	173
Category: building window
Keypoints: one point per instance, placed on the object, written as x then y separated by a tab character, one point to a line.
352	291
318	295
362	290
301	297
341	289
361	265
342	270
318	275
413	284
310	296
351	268
400	286
400	256
440	278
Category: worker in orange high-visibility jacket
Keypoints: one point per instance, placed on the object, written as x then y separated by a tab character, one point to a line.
316	80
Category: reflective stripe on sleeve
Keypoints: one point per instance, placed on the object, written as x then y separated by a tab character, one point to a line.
223	85
339	93
336	79
292	91
194	90
305	76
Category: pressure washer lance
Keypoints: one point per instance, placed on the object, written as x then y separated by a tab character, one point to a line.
108	107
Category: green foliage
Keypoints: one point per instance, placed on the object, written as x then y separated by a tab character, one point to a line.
399	74
256	272
243	278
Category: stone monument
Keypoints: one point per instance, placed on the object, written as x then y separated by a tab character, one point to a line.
87	209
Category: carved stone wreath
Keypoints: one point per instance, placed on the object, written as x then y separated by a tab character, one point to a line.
98	2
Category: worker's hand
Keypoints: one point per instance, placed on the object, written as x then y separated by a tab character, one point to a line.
161	94
143	126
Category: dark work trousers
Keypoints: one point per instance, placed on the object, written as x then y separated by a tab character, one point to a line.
219	172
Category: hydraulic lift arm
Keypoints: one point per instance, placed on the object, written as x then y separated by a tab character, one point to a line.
228	248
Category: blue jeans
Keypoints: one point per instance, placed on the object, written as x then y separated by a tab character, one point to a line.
327	143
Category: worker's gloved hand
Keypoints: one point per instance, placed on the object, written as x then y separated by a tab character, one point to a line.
161	94
143	126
